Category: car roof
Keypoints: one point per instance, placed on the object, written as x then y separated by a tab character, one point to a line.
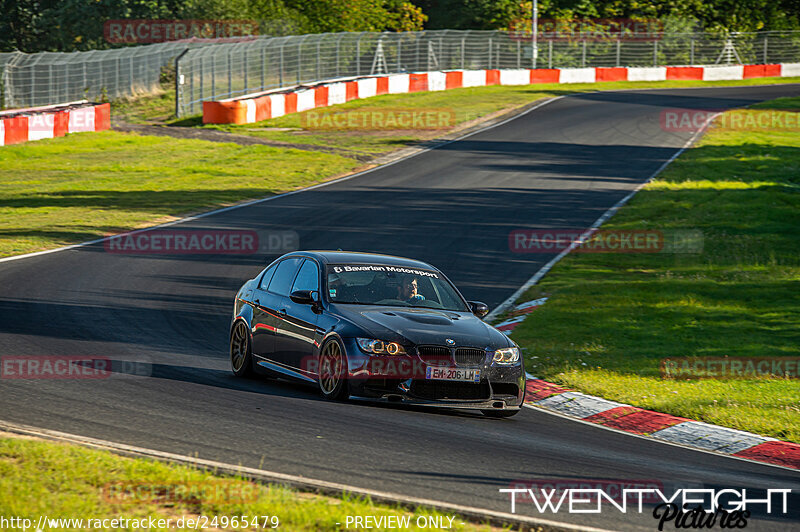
355	257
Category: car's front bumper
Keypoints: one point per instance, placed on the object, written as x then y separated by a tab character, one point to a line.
402	379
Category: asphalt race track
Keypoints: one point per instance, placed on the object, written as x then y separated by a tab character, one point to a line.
560	166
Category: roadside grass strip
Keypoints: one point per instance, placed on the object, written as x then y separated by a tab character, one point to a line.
73	189
612	321
43	481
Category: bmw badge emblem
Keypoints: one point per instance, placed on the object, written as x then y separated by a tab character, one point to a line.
450	341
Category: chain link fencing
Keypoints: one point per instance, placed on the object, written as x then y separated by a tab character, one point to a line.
230	70
47	78
214	70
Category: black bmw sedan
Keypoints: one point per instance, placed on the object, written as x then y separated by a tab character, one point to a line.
374	327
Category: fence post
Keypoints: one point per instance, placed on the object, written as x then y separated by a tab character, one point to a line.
490	53
399	50
178	82
263	67
213	75
319	40
230	74
337	56
519	57
619	43
463	45
246	85
549	53
655	53
358	54
766	37
691	51
280	75
583	54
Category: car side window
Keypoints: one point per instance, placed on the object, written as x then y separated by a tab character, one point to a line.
308	278
267	277
284	275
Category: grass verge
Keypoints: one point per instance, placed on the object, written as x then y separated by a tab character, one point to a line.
41	478
466	104
67	190
76	188
612	318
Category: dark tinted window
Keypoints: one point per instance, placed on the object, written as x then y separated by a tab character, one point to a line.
267	277
308	278
284	275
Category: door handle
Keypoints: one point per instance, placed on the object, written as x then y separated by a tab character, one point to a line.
257	302
283	312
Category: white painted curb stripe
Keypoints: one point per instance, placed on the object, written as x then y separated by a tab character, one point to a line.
577	404
304	483
710	437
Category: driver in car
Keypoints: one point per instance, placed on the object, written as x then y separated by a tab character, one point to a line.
407	290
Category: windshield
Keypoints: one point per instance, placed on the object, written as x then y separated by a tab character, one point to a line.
378	284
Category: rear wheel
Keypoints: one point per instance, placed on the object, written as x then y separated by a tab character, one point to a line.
333	371
500	413
241	352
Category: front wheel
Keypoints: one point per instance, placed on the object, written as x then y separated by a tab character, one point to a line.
333	371
500	413
241	351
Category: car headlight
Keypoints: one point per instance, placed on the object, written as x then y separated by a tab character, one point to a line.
379	347
507	355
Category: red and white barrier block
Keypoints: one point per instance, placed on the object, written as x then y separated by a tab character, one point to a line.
37	123
262	106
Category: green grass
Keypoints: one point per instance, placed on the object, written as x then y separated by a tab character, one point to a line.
611	318
70	189
467	104
67	481
67	190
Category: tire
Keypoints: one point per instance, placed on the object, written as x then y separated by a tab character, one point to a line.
241	351
333	371
500	413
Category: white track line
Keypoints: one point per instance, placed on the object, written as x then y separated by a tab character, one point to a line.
303	483
600	221
270	198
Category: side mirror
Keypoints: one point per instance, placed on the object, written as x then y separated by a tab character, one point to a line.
478	308
303	297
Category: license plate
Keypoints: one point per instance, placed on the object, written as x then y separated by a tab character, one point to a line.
453	374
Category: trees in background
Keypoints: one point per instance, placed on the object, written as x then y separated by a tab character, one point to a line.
712	15
66	25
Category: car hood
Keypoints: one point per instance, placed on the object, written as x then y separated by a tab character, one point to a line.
424	326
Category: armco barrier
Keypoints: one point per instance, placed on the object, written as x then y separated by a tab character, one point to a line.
256	107
22	125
